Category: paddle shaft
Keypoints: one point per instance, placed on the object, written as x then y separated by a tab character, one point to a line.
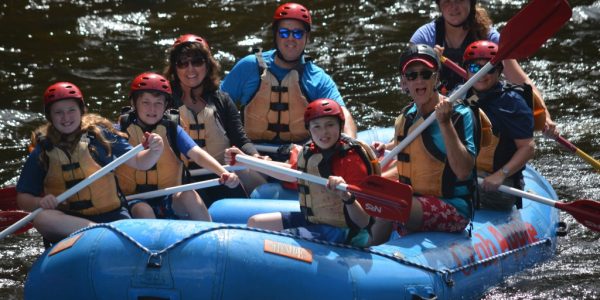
76	188
411	136
259	164
561	140
523	194
175	189
200	172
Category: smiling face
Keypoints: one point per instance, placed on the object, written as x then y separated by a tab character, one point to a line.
488	80
150	107
290	47
455	12
325	131
65	115
421	90
191	71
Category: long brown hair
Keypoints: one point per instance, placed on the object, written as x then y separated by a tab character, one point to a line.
480	24
213	68
90	123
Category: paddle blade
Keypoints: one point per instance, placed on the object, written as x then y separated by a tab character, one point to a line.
8	198
7	218
531	27
384	198
586	212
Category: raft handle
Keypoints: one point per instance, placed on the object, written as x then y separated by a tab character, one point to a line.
154	261
562	229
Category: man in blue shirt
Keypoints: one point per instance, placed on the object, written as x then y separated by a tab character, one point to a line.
275	86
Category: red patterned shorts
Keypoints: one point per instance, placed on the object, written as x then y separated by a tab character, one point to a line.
437	216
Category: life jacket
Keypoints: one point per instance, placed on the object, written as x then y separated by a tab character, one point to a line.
422	165
167	172
67	169
318	204
276	111
206	131
448	78
533	101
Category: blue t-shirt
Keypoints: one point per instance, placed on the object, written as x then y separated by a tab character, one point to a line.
243	80
508	112
184	141
33	173
426	35
466	131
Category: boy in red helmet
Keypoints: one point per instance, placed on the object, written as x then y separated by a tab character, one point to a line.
150	96
70	147
502	162
326	213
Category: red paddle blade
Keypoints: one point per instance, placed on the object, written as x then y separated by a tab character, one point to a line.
384	198
7	218
8	198
531	27
586	212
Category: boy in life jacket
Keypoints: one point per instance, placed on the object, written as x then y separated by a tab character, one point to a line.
274	87
326	213
70	147
502	162
439	163
150	95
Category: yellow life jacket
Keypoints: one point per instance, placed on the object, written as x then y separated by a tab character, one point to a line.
422	165
168	170
67	169
276	112
206	131
318	204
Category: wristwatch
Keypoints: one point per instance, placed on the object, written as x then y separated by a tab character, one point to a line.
505	171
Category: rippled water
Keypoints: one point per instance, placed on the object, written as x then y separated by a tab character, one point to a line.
100	45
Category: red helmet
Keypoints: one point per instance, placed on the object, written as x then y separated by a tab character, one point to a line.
323	108
480	50
60	91
190	38
150	82
293	11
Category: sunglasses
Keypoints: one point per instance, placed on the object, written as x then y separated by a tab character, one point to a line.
474	68
195	62
284	33
426	75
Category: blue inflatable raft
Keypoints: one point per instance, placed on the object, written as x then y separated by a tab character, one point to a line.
166	259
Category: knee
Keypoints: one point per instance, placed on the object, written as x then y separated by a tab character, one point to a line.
142	210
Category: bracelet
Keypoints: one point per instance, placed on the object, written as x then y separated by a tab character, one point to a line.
350	200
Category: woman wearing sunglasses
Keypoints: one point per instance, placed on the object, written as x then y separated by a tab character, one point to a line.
461	23
502	162
439	164
275	86
207	114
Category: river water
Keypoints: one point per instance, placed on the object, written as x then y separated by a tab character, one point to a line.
101	45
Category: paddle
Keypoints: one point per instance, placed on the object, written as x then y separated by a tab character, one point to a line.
175	189
8	218
379	197
200	172
587	212
521	37
8	198
281	149
76	188
561	140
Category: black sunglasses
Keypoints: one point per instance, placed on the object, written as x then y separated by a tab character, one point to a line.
426	75
196	62
474	68
284	33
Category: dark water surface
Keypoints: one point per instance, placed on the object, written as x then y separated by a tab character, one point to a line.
101	45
